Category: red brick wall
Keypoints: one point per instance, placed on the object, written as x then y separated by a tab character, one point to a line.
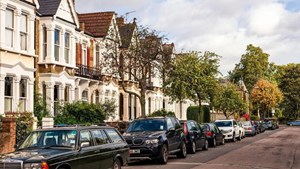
8	135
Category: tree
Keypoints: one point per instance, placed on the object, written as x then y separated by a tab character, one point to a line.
252	66
266	95
289	84
228	100
192	76
136	63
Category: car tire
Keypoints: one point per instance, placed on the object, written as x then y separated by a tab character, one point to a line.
223	141
164	155
183	152
193	148
240	137
214	142
117	164
205	146
233	138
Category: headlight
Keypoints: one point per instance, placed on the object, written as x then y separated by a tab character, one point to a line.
42	165
227	131
153	141
33	166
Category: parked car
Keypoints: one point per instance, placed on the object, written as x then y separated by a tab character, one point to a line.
241	129
69	147
214	134
249	128
230	129
195	137
155	138
272	123
257	126
294	123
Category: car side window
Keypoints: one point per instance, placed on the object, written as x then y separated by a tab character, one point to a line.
234	123
99	137
114	136
193	126
85	137
169	123
176	122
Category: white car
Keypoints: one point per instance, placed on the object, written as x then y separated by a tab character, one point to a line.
241	129
230	129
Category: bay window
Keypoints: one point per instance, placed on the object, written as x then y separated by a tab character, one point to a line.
23	32
67	47
44	42
8	94
23	94
9	27
56	44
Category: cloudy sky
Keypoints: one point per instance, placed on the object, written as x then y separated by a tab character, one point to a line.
225	27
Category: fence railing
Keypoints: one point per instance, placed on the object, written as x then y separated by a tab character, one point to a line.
88	72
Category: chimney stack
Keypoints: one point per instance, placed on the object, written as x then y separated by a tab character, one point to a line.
120	21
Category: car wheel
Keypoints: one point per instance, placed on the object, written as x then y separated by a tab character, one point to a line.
164	155
205	147
233	138
240	137
117	164
182	153
193	148
223	141
214	143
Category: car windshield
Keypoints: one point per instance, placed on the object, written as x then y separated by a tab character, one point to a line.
50	138
247	123
147	125
223	123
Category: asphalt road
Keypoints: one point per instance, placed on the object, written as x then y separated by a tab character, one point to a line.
273	149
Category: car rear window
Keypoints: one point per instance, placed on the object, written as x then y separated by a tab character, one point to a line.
100	137
147	125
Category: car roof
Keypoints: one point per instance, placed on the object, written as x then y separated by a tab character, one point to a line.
75	128
225	120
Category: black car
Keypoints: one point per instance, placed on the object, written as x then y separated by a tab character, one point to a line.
155	138
195	137
214	134
75	147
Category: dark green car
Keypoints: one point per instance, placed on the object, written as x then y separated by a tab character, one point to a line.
92	147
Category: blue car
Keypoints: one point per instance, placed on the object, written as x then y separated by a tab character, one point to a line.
294	123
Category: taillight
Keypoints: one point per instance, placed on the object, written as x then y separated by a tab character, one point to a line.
249	128
209	133
185	130
45	165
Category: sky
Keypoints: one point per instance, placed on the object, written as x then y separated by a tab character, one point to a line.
225	27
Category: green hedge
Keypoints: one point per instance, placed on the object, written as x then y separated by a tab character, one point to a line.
193	114
162	112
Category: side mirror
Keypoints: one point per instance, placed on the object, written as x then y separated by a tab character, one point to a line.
172	129
84	144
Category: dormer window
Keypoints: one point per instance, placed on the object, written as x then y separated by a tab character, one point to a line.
56	44
23	32
9	27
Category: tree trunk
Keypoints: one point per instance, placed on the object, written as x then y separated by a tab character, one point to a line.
180	109
200	108
143	103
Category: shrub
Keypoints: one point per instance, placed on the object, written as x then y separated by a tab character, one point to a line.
193	114
254	118
40	109
162	112
84	113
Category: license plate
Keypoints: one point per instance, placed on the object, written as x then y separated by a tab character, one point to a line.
135	151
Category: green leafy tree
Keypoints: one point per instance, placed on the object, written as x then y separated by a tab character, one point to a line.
253	65
40	108
192	76
266	95
289	84
228	100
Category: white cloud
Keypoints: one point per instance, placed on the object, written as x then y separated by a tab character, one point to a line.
225	27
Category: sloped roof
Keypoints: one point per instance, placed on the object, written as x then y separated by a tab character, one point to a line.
48	7
96	23
126	33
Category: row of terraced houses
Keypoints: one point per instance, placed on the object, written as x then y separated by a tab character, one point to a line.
47	48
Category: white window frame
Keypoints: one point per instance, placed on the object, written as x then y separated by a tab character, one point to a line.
23	98
67	39
9	29
84	54
97	55
24	33
8	99
45	37
57	44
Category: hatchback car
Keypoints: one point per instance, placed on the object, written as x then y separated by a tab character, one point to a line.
213	134
195	137
249	128
75	147
155	138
